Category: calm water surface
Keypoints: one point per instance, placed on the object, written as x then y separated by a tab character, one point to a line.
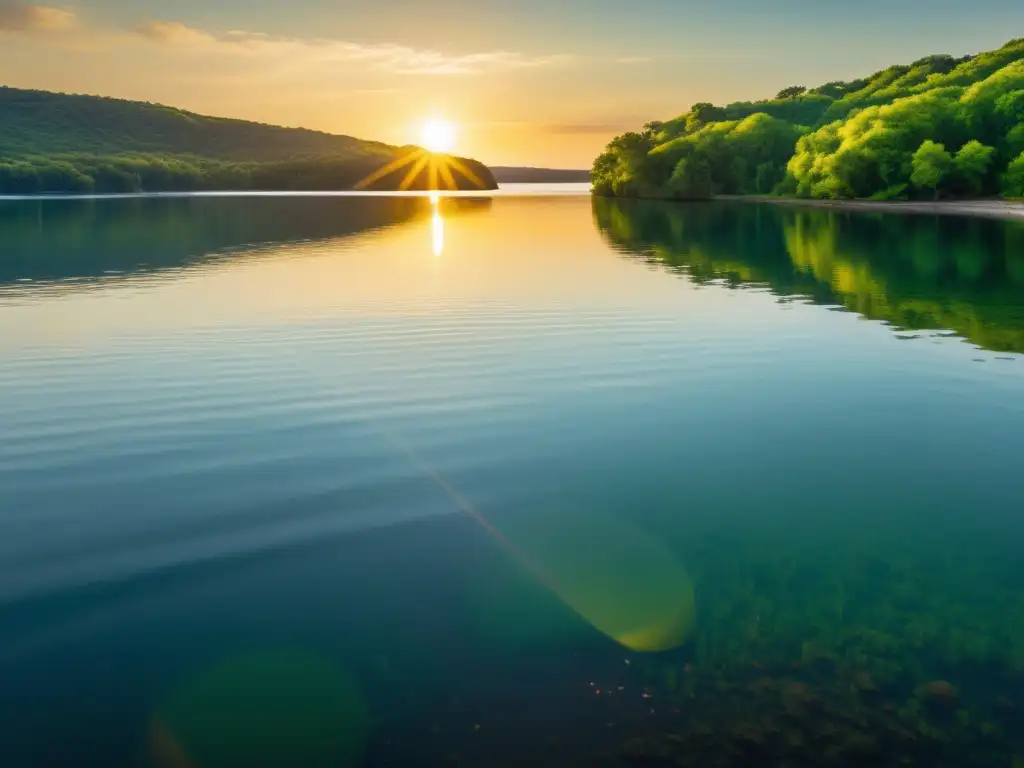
523	480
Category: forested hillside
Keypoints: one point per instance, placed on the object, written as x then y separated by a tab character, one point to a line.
60	143
939	127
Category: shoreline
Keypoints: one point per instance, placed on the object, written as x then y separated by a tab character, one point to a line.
512	189
989	209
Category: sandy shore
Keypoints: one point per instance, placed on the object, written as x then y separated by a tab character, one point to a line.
993	209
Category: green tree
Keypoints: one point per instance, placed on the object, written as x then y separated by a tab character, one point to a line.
652	129
1010	107
972	165
702	114
791	92
618	170
1013	179
1014	143
691	179
768	176
932	164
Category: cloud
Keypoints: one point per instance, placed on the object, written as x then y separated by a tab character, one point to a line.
174	32
581	128
416	62
634	60
392	57
23	17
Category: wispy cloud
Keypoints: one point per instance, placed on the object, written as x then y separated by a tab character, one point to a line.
587	128
27	18
174	32
392	57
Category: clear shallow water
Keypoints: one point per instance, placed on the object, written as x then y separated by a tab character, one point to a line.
329	481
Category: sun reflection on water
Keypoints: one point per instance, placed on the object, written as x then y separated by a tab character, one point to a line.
437	224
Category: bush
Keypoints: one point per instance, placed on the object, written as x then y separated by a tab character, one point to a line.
1013	179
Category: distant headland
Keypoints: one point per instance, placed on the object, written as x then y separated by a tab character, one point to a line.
58	143
528	175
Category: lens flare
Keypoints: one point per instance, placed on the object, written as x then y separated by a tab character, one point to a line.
439	169
620	579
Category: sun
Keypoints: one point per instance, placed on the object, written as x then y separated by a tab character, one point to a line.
430	165
437	135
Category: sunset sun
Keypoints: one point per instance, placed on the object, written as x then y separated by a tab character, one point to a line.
437	135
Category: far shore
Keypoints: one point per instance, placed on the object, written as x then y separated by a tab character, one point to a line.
992	209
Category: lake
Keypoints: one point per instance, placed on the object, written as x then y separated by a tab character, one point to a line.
528	479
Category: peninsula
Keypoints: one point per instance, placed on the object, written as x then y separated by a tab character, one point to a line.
58	143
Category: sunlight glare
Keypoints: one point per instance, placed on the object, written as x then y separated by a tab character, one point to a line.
437	230
437	135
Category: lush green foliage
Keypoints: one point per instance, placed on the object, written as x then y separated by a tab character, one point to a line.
53	143
39	122
940	127
931	164
1013	179
731	156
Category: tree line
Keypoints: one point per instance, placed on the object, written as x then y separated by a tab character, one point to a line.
941	127
131	173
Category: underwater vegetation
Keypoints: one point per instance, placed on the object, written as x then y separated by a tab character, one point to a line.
867	640
264	708
843	651
836	648
814	646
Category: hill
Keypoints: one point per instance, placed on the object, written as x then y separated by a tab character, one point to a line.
526	175
52	142
938	127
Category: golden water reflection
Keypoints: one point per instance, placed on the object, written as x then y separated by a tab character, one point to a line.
437	224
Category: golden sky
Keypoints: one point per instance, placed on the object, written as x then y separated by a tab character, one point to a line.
527	83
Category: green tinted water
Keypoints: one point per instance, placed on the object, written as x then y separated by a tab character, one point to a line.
523	480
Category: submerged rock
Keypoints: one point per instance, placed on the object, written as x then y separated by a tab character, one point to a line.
938	692
864	683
